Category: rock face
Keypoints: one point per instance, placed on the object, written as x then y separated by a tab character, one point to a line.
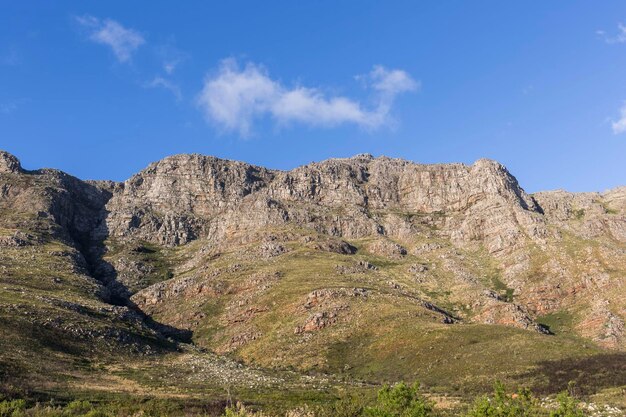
188	197
171	201
9	163
229	250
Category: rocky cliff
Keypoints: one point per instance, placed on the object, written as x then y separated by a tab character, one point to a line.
186	197
245	260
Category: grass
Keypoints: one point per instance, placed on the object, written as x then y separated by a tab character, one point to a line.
578	213
607	208
385	337
155	262
558	322
505	292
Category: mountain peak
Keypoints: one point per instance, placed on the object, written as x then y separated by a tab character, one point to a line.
9	163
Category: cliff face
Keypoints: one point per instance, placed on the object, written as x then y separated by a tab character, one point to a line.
186	197
247	259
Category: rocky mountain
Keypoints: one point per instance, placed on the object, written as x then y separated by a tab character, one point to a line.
372	268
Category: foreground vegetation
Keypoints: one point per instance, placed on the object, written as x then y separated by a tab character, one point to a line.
400	400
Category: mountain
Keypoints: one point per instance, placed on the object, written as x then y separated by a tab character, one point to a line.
199	271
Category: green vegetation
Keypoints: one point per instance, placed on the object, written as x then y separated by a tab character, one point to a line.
399	400
524	404
578	213
501	404
568	407
558	322
607	209
386	336
83	408
505	292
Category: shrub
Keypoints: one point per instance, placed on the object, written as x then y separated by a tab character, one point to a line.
521	404
568	407
400	400
78	407
12	408
347	406
240	410
304	411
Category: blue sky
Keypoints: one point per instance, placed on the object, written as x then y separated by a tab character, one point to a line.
101	89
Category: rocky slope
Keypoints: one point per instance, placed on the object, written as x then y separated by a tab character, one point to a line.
345	265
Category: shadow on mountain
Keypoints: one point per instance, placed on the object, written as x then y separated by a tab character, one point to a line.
590	374
90	234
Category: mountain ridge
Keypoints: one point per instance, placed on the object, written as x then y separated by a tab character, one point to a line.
11	162
317	268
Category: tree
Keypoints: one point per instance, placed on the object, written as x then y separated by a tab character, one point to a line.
400	400
521	404
568	406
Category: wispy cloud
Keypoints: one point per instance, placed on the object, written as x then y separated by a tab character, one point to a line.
8	107
619	126
171	57
234	98
620	37
160	82
122	41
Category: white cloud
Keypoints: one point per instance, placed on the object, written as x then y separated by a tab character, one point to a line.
171	57
620	125
123	41
391	82
10	106
160	82
170	66
619	38
234	98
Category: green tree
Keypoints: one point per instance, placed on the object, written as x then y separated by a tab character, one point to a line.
501	404
568	406
12	408
400	400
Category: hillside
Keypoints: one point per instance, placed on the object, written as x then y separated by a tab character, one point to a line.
198	275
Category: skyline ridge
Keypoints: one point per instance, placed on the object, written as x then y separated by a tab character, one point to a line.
365	155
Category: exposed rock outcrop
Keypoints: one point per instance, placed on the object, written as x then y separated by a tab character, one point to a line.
186	197
9	163
422	235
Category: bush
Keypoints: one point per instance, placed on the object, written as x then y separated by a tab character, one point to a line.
521	404
347	406
12	408
304	411
240	411
78	408
568	407
400	400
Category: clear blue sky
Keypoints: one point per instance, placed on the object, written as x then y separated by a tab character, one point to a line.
100	89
